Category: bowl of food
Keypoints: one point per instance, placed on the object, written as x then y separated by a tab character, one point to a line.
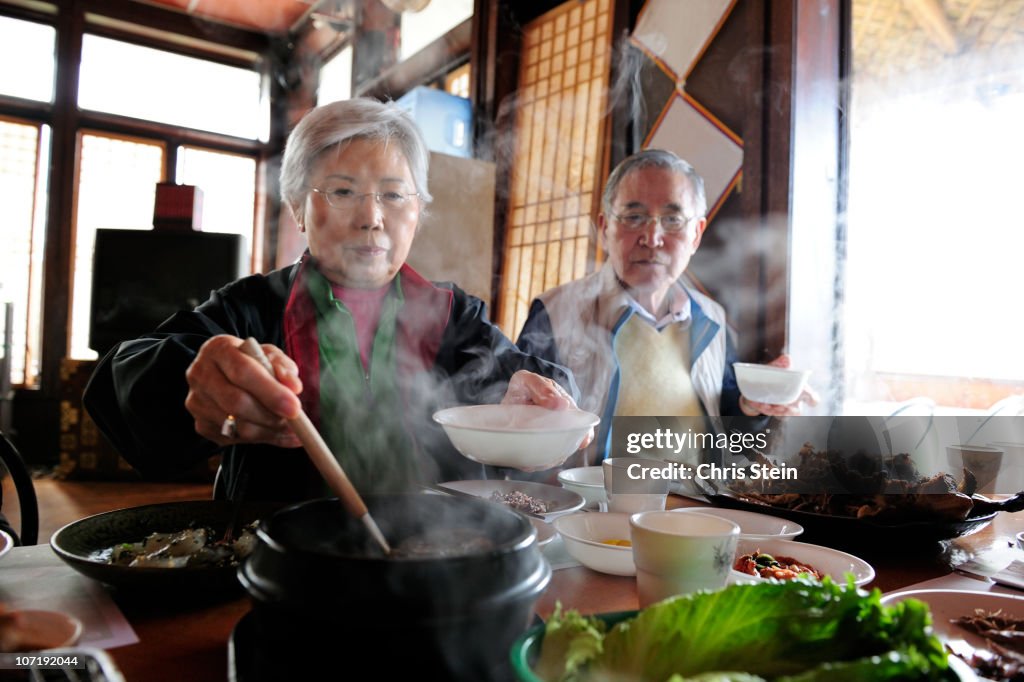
587	481
768	384
598	541
753	526
177	547
763	560
519	436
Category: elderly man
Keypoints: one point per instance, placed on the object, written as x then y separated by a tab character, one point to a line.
638	341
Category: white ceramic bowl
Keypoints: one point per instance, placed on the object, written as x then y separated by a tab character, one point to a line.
984	462
518	436
584	534
826	560
767	384
753	526
587	481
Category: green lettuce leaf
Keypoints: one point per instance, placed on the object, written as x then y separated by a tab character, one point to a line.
570	642
792	631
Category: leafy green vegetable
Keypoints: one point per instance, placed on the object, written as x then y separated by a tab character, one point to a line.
785	631
570	641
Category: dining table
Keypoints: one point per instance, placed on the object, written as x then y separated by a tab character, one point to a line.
190	641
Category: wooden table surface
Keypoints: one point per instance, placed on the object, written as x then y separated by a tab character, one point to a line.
190	643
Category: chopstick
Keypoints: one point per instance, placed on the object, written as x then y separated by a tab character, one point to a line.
322	457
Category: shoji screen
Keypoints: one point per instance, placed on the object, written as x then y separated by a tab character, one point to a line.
559	154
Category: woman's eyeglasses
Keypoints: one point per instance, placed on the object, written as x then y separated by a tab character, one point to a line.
670	223
345	198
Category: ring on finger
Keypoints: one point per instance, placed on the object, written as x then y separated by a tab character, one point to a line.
229	429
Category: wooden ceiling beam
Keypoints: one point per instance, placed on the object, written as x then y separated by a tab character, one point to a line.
932	17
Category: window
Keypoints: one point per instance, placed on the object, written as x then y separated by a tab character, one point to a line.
24	146
228	182
336	78
30	46
189	92
165	116
457	81
116	189
934	230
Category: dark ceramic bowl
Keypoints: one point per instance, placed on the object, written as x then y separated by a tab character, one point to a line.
81	544
319	584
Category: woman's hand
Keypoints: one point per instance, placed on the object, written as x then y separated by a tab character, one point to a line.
793	409
527	388
225	382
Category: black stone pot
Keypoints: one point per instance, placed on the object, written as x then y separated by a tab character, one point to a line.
326	600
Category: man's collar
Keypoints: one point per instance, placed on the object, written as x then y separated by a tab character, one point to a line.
676	308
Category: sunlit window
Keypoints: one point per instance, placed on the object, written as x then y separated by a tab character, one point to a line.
24	148
934	229
27	53
419	29
336	78
116	189
457	81
171	88
228	183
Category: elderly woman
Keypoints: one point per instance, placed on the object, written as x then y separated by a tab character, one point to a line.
359	340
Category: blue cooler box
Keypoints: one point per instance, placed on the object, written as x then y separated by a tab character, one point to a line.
446	120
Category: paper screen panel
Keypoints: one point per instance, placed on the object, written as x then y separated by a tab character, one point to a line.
558	156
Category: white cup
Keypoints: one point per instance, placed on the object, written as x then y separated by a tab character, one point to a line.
680	553
629	486
983	461
1011	474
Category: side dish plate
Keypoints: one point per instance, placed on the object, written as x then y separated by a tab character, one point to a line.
854	531
557	500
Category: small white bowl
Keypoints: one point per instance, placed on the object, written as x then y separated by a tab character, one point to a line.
753	526
517	436
767	384
584	535
35	630
587	481
828	561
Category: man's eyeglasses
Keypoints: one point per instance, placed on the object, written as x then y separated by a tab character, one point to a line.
345	198
670	223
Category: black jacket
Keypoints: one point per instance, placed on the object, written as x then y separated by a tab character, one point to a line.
137	392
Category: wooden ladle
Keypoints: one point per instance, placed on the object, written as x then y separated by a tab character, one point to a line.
322	457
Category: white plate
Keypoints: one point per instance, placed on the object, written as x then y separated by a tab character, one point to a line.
830	562
753	526
946	605
524	437
545	532
559	500
584	535
6	542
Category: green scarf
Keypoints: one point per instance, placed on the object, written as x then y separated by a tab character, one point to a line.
361	414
